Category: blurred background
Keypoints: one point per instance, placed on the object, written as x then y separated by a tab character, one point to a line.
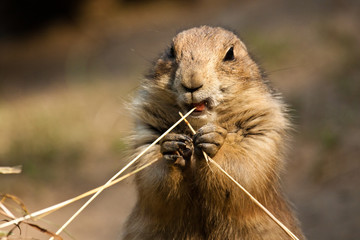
68	70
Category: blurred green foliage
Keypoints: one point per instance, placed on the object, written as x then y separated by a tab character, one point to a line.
272	49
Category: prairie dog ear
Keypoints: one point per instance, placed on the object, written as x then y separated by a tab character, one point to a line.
243	45
242	50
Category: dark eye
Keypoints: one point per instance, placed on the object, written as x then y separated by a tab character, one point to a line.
171	52
229	55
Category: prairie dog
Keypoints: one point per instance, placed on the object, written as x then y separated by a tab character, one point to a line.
240	122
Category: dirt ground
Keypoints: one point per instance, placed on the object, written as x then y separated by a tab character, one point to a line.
64	93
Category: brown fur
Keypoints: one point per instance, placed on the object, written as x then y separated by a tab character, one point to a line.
248	126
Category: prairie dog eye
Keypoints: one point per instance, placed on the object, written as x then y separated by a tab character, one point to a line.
171	52
229	55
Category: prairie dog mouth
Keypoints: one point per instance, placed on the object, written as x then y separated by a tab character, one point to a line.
199	107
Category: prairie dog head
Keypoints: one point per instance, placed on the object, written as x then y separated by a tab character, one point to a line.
201	67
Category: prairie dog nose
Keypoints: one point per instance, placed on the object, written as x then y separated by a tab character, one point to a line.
193	83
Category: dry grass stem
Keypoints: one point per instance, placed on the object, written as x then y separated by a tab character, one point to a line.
42	213
11	170
256	201
6	212
244	190
15	199
118	173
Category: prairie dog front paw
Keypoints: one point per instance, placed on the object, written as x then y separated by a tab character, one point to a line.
177	148
209	139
